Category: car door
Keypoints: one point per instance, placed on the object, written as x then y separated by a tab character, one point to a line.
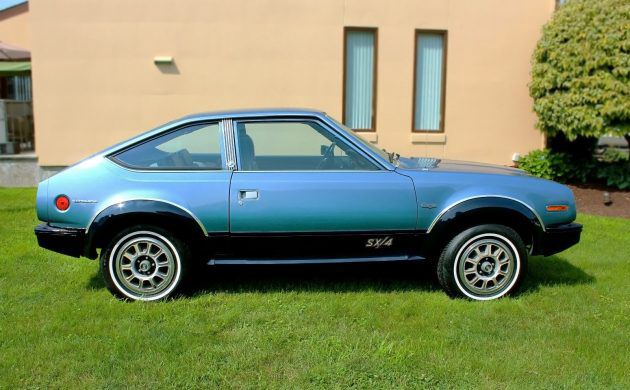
300	191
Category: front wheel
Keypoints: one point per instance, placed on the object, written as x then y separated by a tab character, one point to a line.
483	262
144	263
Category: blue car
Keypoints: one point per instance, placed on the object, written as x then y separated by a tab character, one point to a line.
293	187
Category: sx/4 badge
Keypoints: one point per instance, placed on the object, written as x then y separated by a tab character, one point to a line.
379	242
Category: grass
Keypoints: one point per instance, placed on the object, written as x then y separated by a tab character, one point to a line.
364	326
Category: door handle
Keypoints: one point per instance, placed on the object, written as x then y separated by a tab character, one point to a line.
248	194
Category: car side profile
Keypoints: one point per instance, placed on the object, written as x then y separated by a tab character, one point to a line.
290	186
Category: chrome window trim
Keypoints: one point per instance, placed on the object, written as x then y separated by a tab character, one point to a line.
445	210
244	115
198	118
227	128
337	133
167	170
89	225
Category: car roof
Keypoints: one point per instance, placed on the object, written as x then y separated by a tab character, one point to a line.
253	112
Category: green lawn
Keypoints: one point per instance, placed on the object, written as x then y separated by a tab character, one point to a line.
314	327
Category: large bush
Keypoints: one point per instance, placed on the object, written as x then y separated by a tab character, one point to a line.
581	70
612	171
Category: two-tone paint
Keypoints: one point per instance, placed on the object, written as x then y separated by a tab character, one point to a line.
239	216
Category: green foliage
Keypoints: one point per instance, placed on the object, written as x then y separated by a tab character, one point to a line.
616	174
545	164
558	166
614	155
581	70
564	168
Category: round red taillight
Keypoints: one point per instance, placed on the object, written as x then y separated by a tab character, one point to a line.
62	202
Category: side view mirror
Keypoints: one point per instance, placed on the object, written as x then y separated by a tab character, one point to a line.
323	149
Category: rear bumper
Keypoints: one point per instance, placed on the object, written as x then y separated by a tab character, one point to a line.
558	238
61	240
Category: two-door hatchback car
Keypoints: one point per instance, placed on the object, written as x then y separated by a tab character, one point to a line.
295	186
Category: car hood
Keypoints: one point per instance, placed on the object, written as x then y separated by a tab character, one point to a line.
439	165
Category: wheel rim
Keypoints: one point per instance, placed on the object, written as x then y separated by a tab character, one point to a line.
487	266
145	266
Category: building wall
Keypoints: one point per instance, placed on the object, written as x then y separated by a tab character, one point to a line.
95	82
15	26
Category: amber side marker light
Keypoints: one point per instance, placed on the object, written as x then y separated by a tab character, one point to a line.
62	203
557	208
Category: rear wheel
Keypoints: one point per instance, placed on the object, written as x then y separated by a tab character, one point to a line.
144	263
483	262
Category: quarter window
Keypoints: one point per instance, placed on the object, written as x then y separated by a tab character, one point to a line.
290	146
196	147
429	75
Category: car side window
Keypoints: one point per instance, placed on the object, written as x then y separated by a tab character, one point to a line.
294	145
195	147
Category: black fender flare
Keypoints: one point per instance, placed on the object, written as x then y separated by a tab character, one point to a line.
140	211
487	209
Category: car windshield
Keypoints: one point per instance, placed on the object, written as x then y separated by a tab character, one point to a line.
368	144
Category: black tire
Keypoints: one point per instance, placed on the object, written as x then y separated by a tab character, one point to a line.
145	263
482	263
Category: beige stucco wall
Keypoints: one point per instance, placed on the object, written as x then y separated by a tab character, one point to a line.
15	26
95	82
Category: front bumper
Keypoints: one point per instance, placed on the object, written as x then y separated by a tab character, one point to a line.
61	240
558	238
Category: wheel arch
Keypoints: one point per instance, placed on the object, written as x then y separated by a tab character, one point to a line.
485	210
160	213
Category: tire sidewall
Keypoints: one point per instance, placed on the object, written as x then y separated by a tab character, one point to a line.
452	256
108	255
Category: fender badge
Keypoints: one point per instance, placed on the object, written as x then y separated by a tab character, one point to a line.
428	205
84	201
379	242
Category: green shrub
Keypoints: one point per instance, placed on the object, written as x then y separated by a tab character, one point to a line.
558	166
545	164
581	70
614	155
616	174
564	168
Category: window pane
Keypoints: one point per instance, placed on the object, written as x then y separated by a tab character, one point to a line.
19	87
193	147
359	83
289	146
428	88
